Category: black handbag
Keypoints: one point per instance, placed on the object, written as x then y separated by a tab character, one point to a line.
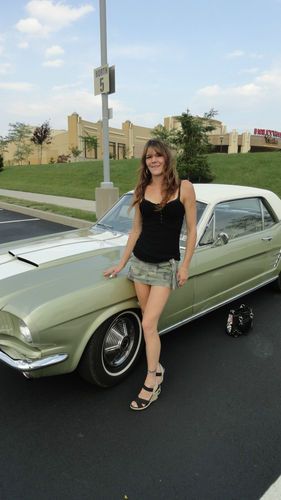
239	321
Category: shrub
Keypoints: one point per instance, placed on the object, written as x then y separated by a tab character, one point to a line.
63	158
1	163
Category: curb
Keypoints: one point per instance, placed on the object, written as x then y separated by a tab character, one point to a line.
50	216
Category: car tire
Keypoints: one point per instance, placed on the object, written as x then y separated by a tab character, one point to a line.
113	349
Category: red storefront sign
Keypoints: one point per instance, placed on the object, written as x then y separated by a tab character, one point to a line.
264	131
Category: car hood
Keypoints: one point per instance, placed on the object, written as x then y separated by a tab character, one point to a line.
48	270
47	252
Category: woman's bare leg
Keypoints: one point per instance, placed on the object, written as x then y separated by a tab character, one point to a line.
142	292
155	302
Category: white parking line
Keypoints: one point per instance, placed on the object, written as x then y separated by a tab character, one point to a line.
274	492
18	220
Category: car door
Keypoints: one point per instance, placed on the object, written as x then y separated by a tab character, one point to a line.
230	258
180	304
271	238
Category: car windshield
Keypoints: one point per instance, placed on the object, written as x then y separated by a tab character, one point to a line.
120	217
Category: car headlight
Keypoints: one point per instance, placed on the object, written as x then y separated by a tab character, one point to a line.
25	332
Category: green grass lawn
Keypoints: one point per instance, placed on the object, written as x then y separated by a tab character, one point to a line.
251	169
77	180
80	179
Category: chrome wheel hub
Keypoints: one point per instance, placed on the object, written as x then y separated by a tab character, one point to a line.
119	341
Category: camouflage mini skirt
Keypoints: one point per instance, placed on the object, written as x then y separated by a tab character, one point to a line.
158	274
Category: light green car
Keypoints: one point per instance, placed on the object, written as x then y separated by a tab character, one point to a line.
58	313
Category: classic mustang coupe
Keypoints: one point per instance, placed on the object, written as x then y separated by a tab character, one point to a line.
58	312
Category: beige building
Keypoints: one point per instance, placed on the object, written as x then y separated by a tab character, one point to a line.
128	141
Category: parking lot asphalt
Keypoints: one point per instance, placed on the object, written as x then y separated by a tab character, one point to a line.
17	226
214	433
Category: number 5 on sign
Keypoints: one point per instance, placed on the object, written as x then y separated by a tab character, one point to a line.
101	80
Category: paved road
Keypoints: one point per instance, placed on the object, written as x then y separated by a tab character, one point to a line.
214	433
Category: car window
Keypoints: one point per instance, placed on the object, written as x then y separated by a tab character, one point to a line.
200	207
208	236
119	217
268	218
237	218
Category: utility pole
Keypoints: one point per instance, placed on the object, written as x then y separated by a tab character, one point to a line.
104	80
104	98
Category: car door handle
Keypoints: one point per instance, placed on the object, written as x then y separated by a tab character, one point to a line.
267	238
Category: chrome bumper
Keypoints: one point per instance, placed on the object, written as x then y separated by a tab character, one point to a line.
28	365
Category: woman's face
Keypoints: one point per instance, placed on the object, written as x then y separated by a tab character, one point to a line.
155	161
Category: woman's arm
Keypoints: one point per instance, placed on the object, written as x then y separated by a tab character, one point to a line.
189	201
133	237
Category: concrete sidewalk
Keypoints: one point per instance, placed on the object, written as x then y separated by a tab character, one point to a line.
87	205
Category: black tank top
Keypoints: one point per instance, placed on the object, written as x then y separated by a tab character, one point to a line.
159	238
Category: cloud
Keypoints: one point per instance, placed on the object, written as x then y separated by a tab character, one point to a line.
210	90
31	26
245	105
30	111
148	119
2	39
23	45
57	106
53	63
66	86
235	53
46	16
55	50
5	68
249	71
271	78
255	55
248	90
19	86
134	51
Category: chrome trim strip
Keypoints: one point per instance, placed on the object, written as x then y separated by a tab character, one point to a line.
28	365
202	313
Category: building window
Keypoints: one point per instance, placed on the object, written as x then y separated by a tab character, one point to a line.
112	150
121	151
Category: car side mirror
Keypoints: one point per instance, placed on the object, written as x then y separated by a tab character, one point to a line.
221	239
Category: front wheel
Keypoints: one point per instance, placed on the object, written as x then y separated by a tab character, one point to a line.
112	350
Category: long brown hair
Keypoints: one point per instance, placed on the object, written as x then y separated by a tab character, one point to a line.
170	176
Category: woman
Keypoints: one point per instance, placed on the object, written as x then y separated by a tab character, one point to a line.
160	202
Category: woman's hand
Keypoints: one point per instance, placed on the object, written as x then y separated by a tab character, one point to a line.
113	271
182	275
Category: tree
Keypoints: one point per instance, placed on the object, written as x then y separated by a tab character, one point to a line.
75	151
192	144
165	135
41	136
4	141
1	162
19	134
90	143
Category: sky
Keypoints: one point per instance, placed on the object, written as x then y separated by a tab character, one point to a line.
169	56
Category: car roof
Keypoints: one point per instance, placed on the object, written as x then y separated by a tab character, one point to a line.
215	193
219	192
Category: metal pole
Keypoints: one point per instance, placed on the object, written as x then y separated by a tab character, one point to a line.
104	97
